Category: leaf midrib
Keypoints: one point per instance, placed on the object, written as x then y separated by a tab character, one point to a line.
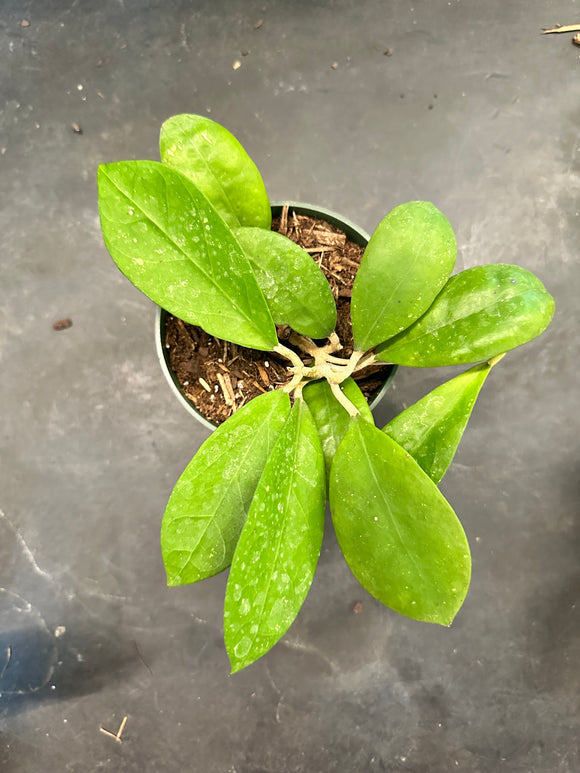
313	315
212	518
180	249
389	510
384	306
404	340
221	187
282	530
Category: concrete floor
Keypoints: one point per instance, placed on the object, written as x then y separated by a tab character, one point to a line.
474	110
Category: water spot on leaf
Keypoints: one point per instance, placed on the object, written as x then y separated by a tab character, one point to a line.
243	647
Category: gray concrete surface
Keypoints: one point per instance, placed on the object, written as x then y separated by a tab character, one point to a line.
474	110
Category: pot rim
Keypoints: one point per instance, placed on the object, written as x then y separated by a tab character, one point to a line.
353	232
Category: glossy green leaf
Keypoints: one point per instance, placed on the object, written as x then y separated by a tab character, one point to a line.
399	535
297	291
280	544
209	504
219	166
430	429
168	240
331	419
406	263
480	313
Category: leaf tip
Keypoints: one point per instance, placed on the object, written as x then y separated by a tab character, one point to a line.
237	664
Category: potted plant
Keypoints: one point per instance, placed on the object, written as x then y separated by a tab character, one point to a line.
193	233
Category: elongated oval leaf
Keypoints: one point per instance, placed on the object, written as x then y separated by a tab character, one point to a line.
480	313
280	544
430	430
406	263
331	419
209	504
297	291
219	166
399	535
168	240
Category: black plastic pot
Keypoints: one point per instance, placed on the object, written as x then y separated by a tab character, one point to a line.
353	233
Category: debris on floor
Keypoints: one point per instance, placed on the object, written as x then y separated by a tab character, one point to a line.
118	734
561	28
62	324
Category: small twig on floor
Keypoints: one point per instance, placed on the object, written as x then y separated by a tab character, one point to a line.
120	730
108	732
565	28
119	733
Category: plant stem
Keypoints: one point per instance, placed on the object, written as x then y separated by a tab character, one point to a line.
333	344
293	384
335	360
367	360
304	343
334	369
289	354
343	400
346	369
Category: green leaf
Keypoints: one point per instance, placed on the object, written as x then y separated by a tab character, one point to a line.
331	419
168	240
280	544
209	504
219	166
399	535
480	313
430	430
406	263
297	291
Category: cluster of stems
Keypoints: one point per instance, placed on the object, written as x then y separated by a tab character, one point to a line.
324	365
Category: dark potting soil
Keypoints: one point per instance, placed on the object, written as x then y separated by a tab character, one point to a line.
219	377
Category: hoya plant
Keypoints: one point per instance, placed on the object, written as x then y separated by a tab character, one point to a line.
193	232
